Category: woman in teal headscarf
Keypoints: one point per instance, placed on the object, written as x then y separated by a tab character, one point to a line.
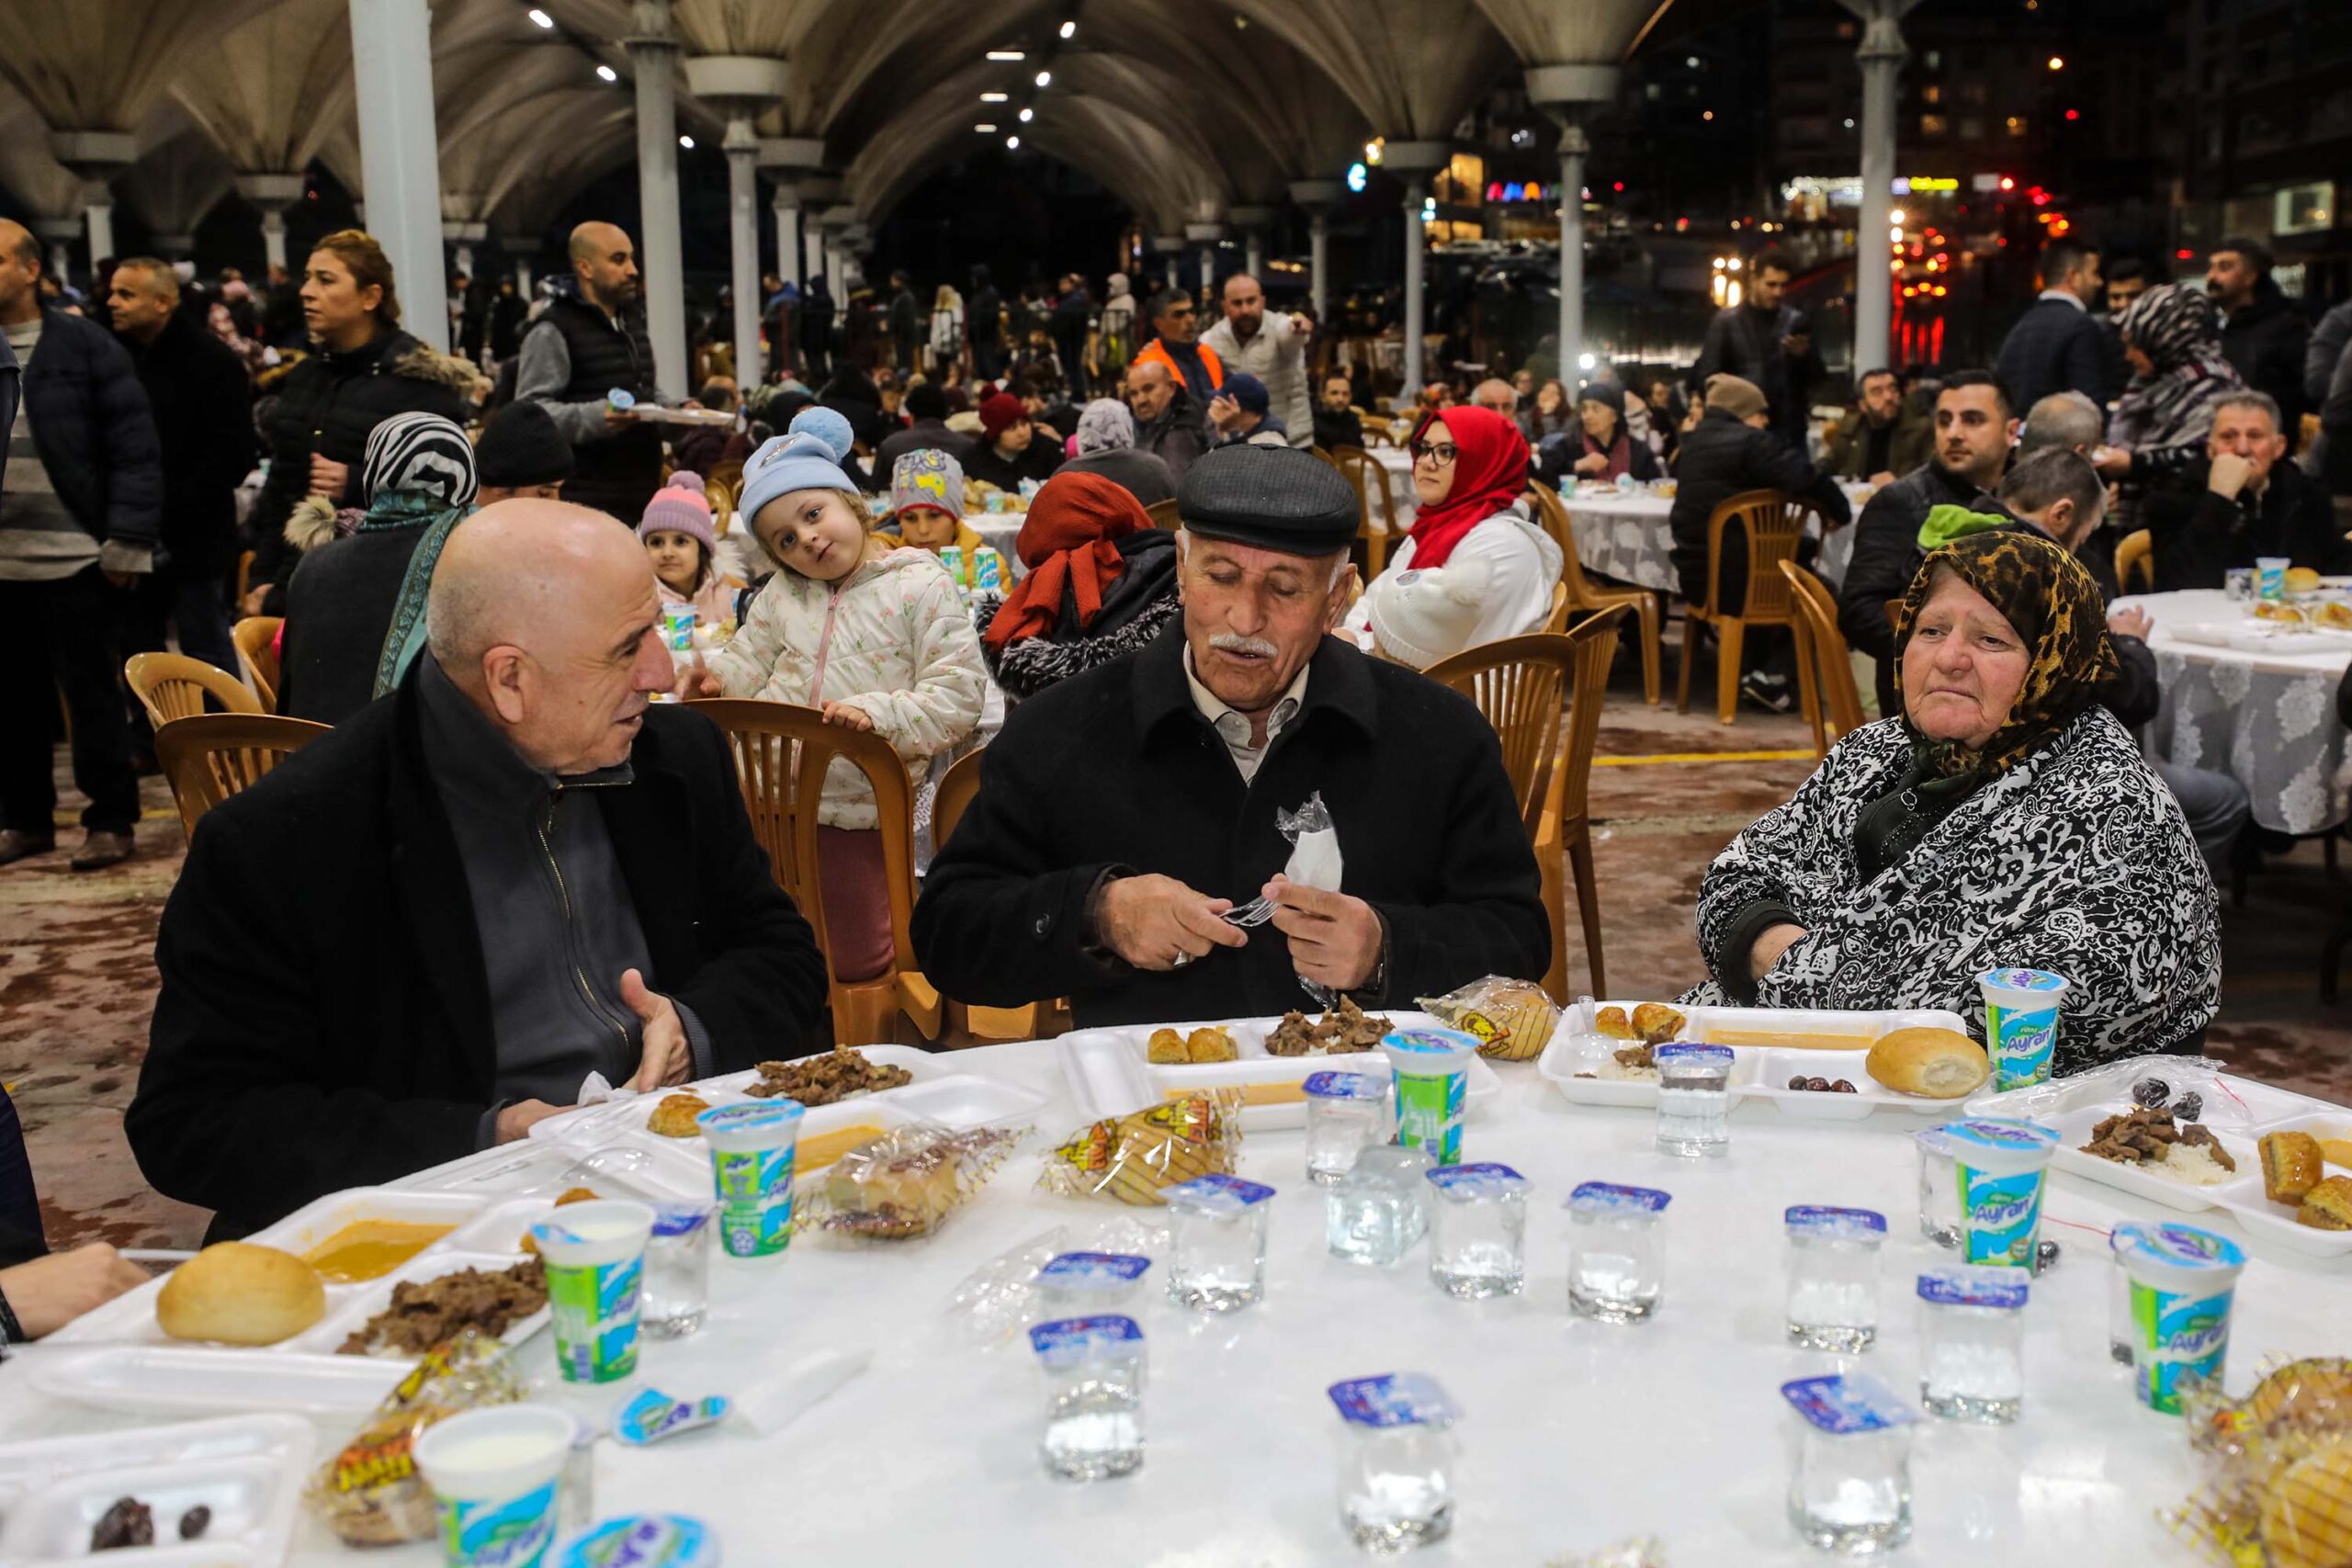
2004	818
355	609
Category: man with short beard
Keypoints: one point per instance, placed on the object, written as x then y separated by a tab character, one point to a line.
590	342
1168	425
1123	814
1973	431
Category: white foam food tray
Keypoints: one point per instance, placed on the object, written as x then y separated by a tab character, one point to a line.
27	1467
252	1495
1109	1072
1770	1045
190	1379
2241	1196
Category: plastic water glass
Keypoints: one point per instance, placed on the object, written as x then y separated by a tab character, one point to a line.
1833	1277
1849	1483
1477	1230
677	1269
1616	1251
1375	1212
1094	1377
1220	1243
1345	1113
1693	1100
1397	1458
1938	1188
1972	1344
2237	585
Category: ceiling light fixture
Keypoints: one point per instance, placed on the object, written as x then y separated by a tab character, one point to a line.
1045	78
994	97
1013	142
1007	54
687	143
985	129
1070	28
1027	115
542	18
608	73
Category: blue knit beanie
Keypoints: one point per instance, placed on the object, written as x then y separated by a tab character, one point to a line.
787	463
829	426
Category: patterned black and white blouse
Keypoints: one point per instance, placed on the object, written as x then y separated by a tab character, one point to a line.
2076	861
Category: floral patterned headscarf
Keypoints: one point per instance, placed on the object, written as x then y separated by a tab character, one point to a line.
2053	604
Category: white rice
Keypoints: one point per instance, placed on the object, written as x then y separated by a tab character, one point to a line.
1609	1066
2193	1163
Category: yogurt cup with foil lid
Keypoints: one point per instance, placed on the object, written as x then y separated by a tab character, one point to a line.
1610	1198
1485	1179
1972	1287
645	1540
1394	1399
1835	1224
1846	1403
1344	1086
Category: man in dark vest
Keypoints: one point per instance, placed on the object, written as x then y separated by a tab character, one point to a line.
590	343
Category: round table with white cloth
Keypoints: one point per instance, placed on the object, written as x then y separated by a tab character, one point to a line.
1573	1434
1002	530
2258	706
1628	535
1397	464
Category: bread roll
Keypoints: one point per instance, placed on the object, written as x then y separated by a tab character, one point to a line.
2302	580
236	1294
1935	1064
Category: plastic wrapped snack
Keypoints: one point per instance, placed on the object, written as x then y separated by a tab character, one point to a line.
1512	1020
905	1183
2278	1486
1133	1159
370	1493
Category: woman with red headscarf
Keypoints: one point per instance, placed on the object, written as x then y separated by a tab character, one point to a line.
1469	476
1101	582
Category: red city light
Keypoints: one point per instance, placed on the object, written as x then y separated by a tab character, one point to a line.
2184	255
1618	187
2007	184
2074	114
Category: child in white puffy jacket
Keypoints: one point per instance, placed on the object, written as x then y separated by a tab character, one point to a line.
875	638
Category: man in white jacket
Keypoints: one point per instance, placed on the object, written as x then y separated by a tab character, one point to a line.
1270	345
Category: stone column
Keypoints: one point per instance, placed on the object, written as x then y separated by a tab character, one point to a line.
1571	94
463	238
1416	161
273	193
1169	250
789	160
1252	222
1318	197
1206	235
97	156
60	234
653	57
400	156
1880	54
741	85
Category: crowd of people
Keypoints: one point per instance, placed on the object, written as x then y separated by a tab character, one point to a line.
512	864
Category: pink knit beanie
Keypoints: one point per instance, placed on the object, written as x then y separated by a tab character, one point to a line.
681	505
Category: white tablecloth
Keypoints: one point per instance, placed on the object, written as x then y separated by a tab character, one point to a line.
2267	719
1630	537
1397	464
1574	1434
1002	529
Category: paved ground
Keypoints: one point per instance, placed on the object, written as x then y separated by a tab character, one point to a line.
77	982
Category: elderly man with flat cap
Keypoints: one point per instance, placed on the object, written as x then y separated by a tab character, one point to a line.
1123	814
419	935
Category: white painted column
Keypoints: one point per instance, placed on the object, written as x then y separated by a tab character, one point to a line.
273	238
465	258
523	277
392	63
743	151
1416	161
1318	197
1252	222
1880	54
785	204
653	57
1574	148
1206	235
99	217
273	194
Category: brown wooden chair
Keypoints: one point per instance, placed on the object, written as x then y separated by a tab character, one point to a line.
1374	501
782	752
1772	523
257	640
1163	515
1037	1020
1520	683
1556	623
208	757
172	686
2135	552
1585	595
1826	687
721	496
245	574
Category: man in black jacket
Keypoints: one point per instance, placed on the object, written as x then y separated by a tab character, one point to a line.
1769	344
590	342
2058	345
77	527
203	407
2254	503
1733	448
927	406
2262	333
417	937
1124	813
1168	425
1973	428
1337	424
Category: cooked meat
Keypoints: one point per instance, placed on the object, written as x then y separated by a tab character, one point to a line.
822	1080
427	1312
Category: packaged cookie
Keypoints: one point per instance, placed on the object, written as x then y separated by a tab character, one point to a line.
370	1492
904	1183
1512	1020
1133	1159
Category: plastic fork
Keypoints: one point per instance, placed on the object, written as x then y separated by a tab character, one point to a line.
1256	912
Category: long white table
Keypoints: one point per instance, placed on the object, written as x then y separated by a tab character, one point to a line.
1574	1434
2265	716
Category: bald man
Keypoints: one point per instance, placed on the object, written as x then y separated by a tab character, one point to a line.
1270	345
418	936
590	343
77	530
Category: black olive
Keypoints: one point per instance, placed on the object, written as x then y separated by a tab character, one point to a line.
2151	1092
1797	1082
1842	1087
1819	1086
195	1522
2189	1106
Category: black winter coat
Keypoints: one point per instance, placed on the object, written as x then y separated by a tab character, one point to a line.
95	431
330	404
1117	770
202	401
1719	457
1745	342
2055	347
2197	535
2264	339
324	1017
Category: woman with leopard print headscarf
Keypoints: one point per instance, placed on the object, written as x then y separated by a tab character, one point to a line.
2005	819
